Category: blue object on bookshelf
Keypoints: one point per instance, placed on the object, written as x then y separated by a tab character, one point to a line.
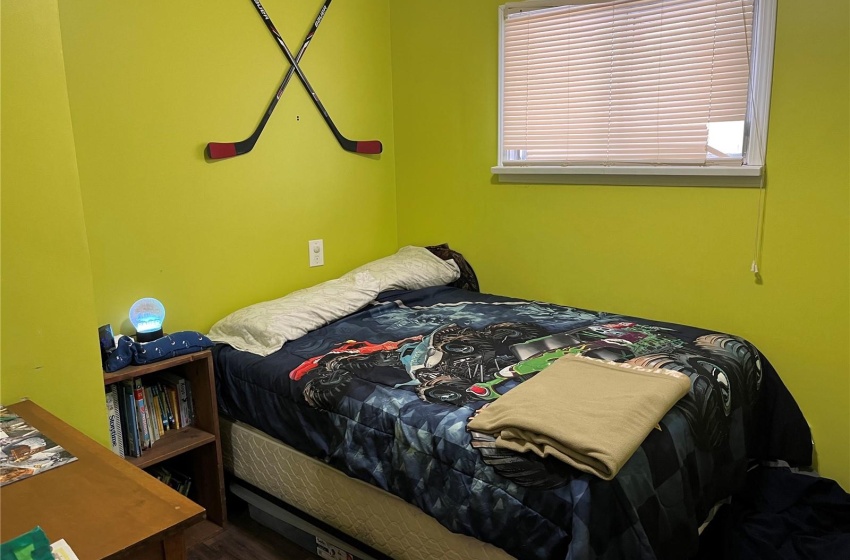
131	352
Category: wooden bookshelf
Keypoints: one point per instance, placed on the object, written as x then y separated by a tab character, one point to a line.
198	446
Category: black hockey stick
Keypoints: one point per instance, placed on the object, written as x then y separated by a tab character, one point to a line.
221	150
360	147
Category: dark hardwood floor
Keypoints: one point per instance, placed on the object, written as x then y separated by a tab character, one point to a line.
244	538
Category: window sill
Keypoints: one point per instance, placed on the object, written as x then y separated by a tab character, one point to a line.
659	175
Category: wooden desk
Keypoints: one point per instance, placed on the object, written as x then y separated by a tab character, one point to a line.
103	506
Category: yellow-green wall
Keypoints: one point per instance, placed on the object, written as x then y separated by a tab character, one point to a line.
106	194
676	254
48	321
150	83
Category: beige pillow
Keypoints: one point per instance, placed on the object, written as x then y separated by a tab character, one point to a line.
263	328
411	268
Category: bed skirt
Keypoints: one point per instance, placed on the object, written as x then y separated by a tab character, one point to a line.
372	516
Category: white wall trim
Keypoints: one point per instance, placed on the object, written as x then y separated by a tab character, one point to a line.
748	176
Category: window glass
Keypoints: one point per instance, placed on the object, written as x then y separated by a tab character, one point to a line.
627	82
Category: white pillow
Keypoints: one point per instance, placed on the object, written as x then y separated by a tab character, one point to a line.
411	268
264	327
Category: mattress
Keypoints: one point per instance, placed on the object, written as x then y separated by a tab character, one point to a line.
378	519
375	517
384	396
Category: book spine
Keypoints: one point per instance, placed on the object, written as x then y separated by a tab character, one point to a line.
176	387
114	422
153	420
142	416
190	401
122	412
119	420
161	473
184	402
131	427
161	417
180	482
131	402
110	419
163	393
175	407
160	405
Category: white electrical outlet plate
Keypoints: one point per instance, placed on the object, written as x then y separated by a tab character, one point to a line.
317	252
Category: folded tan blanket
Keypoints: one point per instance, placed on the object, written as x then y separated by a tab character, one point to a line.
589	413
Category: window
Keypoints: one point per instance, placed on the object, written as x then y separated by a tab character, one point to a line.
635	87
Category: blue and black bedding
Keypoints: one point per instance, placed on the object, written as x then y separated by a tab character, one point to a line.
385	395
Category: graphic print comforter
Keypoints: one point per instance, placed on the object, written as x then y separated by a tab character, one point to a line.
385	395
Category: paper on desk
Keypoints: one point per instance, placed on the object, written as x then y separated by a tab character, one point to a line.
62	551
25	451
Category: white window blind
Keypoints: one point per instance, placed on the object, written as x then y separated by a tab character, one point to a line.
626	82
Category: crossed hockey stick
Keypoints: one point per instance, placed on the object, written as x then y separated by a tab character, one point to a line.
221	150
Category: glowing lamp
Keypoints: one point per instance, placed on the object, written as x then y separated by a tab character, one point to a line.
147	316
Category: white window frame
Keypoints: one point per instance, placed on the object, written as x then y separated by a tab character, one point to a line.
749	174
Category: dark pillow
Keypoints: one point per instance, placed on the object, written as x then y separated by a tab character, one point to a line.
130	352
468	280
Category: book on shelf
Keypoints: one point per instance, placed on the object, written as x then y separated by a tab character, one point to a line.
173	478
180	482
142	416
113	415
166	405
183	388
173	404
161	415
160	473
129	423
140	411
190	403
153	413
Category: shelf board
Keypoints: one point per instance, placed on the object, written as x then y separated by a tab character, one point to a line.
171	444
131	372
